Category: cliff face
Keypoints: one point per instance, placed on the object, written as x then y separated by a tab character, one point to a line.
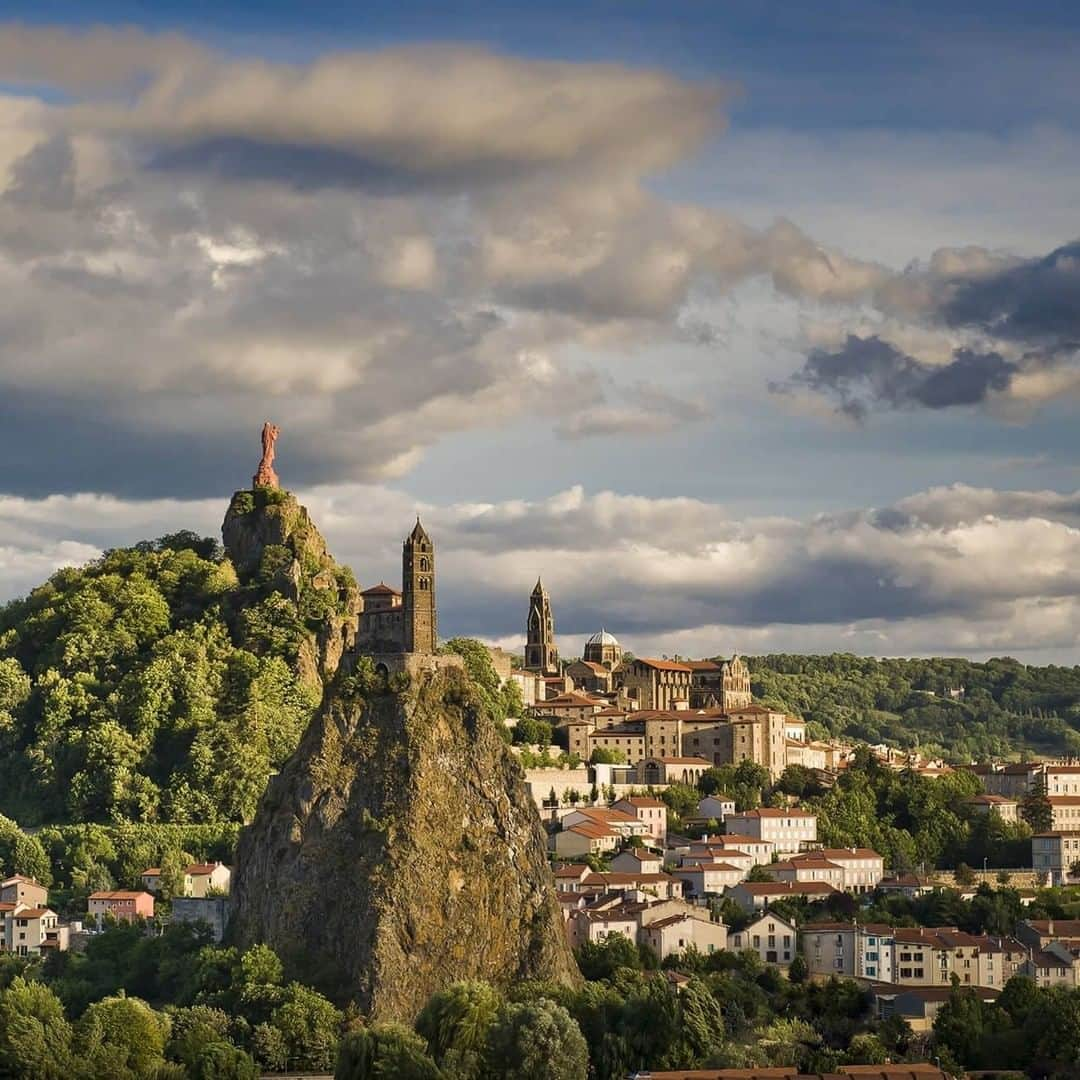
275	547
398	851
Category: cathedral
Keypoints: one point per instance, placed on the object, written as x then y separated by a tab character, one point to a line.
636	683
405	621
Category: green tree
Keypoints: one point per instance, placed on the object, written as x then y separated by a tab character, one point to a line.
456	1023
384	1052
35	1036
121	1037
601	959
537	1038
1035	807
309	1024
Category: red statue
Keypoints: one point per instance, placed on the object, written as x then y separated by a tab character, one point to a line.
265	476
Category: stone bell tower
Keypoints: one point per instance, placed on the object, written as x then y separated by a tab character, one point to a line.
418	591
540	653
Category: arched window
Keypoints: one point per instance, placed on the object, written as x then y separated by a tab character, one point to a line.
423	563
423	584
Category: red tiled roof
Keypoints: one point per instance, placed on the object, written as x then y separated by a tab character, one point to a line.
382	589
33	913
201	869
118	894
662	665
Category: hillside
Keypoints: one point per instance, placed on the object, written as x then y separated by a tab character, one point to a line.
1006	708
165	682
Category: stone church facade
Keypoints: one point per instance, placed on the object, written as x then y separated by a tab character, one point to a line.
405	622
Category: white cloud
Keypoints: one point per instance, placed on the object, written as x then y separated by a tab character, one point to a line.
961	570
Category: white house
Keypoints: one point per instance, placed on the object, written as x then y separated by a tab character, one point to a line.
773	938
708	879
786	830
651	812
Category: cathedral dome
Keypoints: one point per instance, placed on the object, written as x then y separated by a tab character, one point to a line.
603	648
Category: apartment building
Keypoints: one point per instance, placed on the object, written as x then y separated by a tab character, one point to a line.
1054	854
787	830
773	938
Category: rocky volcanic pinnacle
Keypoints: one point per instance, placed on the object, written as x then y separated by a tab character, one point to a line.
398	851
275	547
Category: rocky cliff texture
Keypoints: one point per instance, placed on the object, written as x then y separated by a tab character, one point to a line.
275	547
398	851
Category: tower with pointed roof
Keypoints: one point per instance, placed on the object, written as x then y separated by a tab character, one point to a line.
540	652
418	592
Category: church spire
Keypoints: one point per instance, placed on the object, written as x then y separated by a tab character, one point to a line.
541	655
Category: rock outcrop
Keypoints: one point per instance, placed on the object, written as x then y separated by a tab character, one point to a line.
275	547
398	851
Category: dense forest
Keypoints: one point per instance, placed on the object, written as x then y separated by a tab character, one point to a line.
149	685
959	709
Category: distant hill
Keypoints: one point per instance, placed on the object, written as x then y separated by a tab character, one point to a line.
999	709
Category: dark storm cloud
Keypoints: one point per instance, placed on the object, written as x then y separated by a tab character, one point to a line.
867	374
1035	302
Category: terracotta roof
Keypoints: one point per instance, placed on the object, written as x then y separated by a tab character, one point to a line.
615	877
17	879
640	800
118	894
780	888
593	832
684	761
703	665
990	800
662	665
151	871
1066	928
566	700
202	869
382	589
571	870
697	867
1064	800
772	812
843	853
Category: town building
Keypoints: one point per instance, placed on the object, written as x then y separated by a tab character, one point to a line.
638	860
32	930
862	868
708	879
23	890
1038	933
773	938
787	830
655	684
716	808
653	771
206	879
1065	810
1006	809
1055	854
651	812
755	895
124	905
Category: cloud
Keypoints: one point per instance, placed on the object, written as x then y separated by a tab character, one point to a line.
395	246
957	569
868	374
1019	320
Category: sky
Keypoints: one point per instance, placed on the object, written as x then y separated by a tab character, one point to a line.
748	326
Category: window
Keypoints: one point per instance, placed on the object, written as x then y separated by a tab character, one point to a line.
918	973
